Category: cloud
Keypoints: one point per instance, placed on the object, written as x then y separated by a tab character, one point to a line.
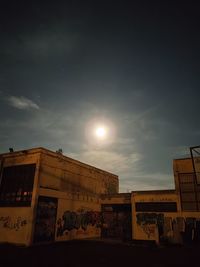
22	103
147	181
122	164
108	160
137	163
128	167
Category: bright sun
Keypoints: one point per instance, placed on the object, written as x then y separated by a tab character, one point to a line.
100	132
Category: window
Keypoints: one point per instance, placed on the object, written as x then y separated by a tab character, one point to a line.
156	206
17	185
116	207
189	192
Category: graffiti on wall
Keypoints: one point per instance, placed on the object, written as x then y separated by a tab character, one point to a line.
177	229
150	222
149	229
150	218
9	223
77	220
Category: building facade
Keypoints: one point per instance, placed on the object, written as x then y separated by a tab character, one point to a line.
48	197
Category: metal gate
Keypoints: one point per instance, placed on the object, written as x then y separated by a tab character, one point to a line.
117	221
45	219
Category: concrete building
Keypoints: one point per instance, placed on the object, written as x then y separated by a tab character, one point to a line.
163	216
47	197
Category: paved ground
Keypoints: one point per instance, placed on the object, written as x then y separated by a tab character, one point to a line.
98	253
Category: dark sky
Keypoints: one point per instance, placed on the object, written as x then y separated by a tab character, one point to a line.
66	67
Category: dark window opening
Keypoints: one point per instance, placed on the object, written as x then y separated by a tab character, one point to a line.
17	185
189	192
156	206
116	207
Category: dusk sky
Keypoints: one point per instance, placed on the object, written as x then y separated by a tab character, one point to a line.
131	68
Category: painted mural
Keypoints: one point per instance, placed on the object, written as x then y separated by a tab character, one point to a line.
170	229
79	220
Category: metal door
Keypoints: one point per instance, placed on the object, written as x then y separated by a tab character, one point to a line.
45	219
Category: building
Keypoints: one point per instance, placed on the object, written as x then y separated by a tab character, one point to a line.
161	216
47	197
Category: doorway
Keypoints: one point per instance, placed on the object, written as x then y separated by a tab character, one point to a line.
117	222
45	223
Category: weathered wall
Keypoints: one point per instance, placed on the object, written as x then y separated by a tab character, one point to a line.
122	198
78	215
179	228
16	222
188	191
75	185
155	225
15	225
62	173
181	166
187	186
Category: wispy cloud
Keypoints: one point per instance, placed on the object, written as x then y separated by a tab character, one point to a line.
108	160
147	181
127	167
129	155
22	103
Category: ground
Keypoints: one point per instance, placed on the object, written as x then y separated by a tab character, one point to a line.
98	253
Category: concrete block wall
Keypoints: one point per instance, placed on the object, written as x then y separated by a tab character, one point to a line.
16	223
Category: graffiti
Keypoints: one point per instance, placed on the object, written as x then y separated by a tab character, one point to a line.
149	230
149	222
150	218
7	222
77	220
177	229
168	227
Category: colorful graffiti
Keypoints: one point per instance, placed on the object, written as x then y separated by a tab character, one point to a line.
77	220
8	222
177	229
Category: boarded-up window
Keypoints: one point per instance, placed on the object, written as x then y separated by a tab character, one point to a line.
17	185
189	192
